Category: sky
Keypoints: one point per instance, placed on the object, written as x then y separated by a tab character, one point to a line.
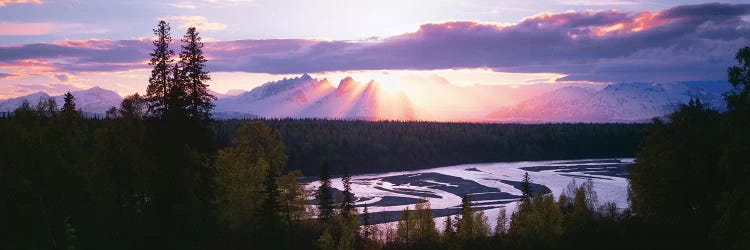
66	45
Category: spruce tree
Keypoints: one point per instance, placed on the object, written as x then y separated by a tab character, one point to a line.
69	107
347	205
195	76
526	187
366	223
324	195
465	227
159	84
270	227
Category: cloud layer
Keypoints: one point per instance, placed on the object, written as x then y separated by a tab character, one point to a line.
6	2
694	42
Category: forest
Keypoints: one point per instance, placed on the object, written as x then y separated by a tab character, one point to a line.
160	173
385	146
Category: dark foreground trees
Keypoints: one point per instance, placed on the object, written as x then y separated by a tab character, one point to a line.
691	177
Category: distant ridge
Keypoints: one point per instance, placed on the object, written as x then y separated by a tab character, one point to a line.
307	97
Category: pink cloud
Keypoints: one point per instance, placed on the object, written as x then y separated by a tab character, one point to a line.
693	42
46	28
5	2
26	29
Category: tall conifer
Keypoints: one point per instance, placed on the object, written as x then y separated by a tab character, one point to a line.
159	83
195	76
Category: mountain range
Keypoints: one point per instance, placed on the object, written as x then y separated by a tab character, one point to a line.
307	97
95	100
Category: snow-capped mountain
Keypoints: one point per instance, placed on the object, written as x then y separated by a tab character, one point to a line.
11	104
621	102
283	98
308	97
94	100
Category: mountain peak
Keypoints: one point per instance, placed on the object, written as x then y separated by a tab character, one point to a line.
346	85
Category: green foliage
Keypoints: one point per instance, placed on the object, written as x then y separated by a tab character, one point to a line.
347	228
416	228
326	242
293	197
538	223
242	172
501	225
473	225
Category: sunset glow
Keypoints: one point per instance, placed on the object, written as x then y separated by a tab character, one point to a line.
434	58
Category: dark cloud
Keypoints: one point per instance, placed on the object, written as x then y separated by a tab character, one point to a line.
6	75
62	78
47	88
683	43
694	42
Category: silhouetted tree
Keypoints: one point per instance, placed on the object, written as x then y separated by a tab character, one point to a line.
526	187
160	80
448	231
324	195
69	105
195	76
347	203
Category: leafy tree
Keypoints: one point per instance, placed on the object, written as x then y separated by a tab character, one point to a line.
292	197
160	82
195	76
674	157
347	226
132	107
731	229
417	227
538	223
449	231
244	171
326	242
501	226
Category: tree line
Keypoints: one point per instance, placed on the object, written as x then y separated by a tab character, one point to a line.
385	146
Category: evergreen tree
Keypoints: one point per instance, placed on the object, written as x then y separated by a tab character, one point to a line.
269	230
526	187
160	80
176	102
69	105
192	61
324	195
347	204
465	226
366	223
